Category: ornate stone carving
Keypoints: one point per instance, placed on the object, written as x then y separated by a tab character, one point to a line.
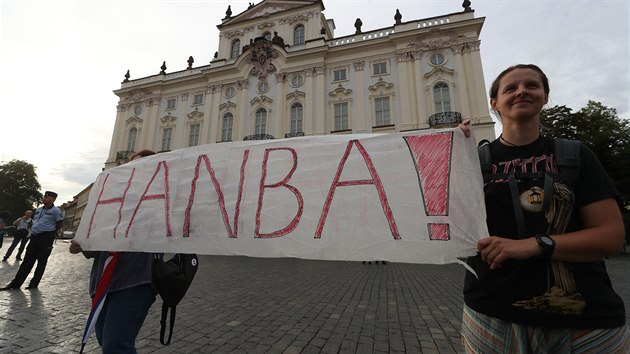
339	92
381	85
295	95
168	119
261	56
134	120
262	26
257	101
293	19
439	71
184	96
358	65
227	105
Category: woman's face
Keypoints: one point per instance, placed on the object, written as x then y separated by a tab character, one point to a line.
521	95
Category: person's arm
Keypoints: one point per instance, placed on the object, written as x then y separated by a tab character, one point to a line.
16	221
75	248
602	236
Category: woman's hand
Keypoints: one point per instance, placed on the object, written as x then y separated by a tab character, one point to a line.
496	250
75	247
465	127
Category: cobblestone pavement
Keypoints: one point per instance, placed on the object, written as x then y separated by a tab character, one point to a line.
253	305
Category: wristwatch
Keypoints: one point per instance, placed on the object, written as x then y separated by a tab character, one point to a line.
547	244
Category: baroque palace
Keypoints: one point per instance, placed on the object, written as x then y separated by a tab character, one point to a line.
280	72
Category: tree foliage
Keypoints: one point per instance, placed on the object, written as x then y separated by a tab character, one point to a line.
19	188
601	129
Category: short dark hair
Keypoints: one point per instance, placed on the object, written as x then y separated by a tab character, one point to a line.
494	89
142	153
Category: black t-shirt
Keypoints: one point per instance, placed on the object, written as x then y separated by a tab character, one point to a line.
535	291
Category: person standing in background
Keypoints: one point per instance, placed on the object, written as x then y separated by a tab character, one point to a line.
23	229
48	219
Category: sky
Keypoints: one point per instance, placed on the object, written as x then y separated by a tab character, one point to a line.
60	60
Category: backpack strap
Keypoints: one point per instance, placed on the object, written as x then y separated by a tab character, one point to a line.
163	324
567	155
485	158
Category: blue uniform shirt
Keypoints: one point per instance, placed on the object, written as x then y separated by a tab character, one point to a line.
45	219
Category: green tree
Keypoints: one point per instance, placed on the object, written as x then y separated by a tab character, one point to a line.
19	188
601	129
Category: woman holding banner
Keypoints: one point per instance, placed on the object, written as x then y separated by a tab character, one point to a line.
121	283
541	284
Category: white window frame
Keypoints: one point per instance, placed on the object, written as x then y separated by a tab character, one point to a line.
296	118
382	114
340	118
382	68
340	75
227	124
260	121
194	132
170	106
167	136
442	97
131	139
235	48
198	99
298	34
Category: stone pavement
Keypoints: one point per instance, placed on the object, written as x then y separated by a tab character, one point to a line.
253	305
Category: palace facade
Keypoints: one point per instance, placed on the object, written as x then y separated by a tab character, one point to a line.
280	72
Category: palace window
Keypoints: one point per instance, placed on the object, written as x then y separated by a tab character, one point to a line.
261	121
198	99
170	103
235	49
131	141
339	75
193	136
379	68
382	111
226	127
298	35
166	138
441	97
341	116
297	114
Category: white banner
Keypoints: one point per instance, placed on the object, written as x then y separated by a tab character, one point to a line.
412	197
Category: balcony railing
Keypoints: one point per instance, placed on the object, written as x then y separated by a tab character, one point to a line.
445	119
259	137
293	135
124	155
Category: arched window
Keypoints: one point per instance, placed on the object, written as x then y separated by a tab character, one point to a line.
261	121
226	128
441	97
298	35
131	142
236	49
297	112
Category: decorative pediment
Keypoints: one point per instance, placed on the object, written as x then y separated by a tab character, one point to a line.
257	101
227	105
268	9
381	85
295	95
168	119
195	114
439	71
340	91
134	120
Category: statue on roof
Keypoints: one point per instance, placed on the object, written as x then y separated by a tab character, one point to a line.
398	17
357	25
228	13
466	5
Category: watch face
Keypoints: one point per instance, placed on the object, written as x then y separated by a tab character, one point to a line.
546	240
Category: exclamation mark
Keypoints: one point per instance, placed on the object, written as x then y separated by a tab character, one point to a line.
432	157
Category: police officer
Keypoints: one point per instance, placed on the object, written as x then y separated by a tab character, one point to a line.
47	220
